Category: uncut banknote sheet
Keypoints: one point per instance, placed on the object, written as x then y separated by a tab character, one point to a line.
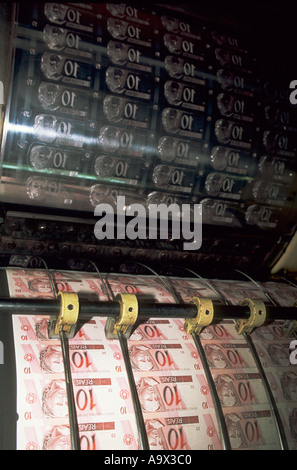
239	386
273	347
173	391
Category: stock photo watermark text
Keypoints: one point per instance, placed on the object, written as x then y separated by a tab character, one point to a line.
135	221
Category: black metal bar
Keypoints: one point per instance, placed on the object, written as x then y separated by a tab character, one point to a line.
143	440
150	309
87	309
16	306
73	424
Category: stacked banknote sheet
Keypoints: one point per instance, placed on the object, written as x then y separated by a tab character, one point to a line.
173	391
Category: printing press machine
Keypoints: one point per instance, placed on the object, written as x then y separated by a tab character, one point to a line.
155	104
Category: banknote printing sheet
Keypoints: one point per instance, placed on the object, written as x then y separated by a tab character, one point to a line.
168	375
173	391
137	100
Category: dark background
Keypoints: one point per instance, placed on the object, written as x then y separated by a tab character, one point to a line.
271	25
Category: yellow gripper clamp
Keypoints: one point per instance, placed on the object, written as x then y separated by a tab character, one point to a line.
205	313
67	318
126	319
257	316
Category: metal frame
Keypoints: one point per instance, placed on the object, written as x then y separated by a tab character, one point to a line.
90	309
